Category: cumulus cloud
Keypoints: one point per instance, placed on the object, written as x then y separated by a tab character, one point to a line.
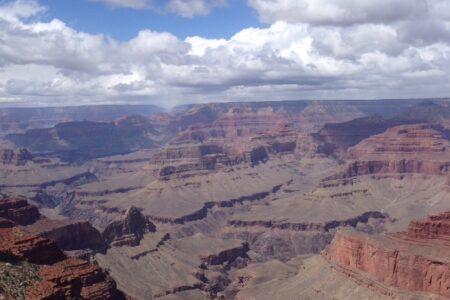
338	12
52	63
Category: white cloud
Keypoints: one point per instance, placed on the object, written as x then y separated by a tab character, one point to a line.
51	63
338	12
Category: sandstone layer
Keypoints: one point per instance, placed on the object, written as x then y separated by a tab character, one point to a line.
416	260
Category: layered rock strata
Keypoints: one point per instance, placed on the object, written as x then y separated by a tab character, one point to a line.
416	260
57	276
130	230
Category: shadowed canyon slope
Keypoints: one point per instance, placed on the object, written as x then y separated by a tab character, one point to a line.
263	200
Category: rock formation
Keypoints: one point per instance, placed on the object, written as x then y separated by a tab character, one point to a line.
130	230
17	157
15	244
416	260
73	278
57	277
414	148
72	141
69	235
19	211
435	227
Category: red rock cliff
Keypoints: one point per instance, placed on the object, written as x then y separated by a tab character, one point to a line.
417	260
18	211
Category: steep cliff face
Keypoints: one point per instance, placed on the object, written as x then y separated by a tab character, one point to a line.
130	230
435	227
69	235
73	278
78	141
15	244
19	211
411	141
233	124
415	148
45	272
72	235
394	166
17	157
416	260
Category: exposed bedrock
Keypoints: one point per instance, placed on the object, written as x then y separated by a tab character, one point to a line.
416	260
18	157
435	227
280	244
76	180
15	244
73	278
325	227
51	274
203	212
414	140
285	240
416	148
130	230
75	236
19	211
226	256
68	235
401	166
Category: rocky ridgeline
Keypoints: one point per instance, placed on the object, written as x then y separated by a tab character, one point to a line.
19	211
18	157
130	230
404	149
190	160
416	260
69	235
57	277
184	160
312	227
233	124
19	245
73	278
435	227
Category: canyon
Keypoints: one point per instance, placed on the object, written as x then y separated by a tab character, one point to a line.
242	200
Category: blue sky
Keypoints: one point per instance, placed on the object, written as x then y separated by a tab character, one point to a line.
124	23
66	52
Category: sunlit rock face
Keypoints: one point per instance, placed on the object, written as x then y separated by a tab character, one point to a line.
415	260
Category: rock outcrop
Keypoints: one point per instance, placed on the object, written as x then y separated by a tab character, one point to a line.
416	260
410	141
58	277
435	227
414	148
73	278
130	230
79	141
18	157
15	244
19	211
69	235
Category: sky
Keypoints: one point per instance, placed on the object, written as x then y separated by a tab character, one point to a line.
172	52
